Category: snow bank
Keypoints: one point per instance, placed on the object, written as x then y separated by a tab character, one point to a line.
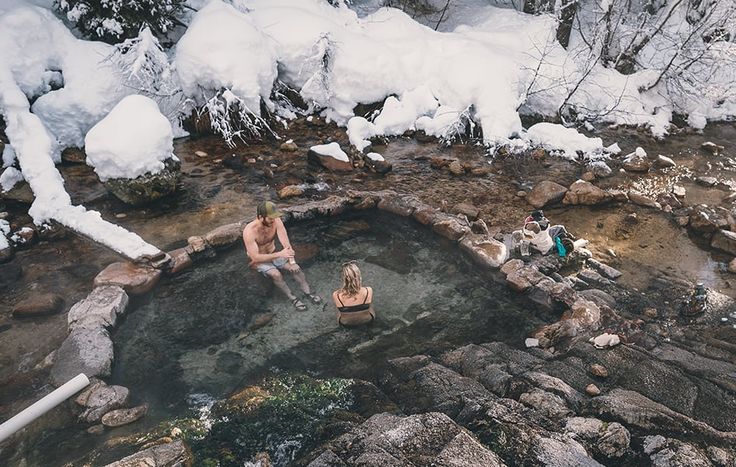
4	231
224	49
567	141
332	149
39	54
9	178
133	139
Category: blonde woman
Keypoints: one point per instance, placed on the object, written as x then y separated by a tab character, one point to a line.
353	301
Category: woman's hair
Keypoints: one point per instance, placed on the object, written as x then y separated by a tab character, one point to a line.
351	279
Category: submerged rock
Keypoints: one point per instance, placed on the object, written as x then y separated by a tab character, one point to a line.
120	417
99	399
171	454
38	304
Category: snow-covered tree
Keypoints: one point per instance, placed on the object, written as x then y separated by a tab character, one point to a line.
146	70
115	20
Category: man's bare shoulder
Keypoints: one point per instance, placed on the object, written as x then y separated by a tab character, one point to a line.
250	227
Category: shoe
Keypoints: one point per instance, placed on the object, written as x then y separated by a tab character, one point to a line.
313	297
299	305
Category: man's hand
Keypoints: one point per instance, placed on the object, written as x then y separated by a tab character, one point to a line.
286	253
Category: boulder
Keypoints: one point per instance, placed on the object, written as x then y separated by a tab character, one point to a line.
99	309
600	169
196	244
546	192
614	441
724	240
466	209
225	235
419	440
180	261
604	269
702	221
450	227
290	191
38	304
289	146
147	187
456	168
330	156
550	405
133	278
484	250
120	417
73	156
171	454
677	453
98	399
87	351
712	148
641	200
707	181
664	162
400	205
582	192
637	161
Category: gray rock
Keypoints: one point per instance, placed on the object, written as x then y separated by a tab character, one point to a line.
707	181
147	187
546	192
615	441
99	309
484	250
565	452
678	454
641	200
99	399
598	297
584	428
87	351
720	457
120	417
582	192
654	443
604	269
550	405
173	454
450	227
225	235
724	240
430	439
600	169
592	277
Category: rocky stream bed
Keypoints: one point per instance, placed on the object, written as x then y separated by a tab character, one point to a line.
664	396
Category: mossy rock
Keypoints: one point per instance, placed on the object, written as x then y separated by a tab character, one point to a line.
148	187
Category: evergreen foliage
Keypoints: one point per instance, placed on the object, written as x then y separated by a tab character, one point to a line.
115	20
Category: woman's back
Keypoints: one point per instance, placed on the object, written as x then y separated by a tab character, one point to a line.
354	309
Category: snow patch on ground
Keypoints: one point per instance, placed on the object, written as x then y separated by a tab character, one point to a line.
566	141
4	231
133	139
332	149
9	178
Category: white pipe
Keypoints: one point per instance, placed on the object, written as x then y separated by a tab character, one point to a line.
46	403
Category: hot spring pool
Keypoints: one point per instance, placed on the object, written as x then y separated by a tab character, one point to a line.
193	337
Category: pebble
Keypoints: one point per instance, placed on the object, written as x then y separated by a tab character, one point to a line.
598	370
592	390
679	191
521	194
200	153
121	215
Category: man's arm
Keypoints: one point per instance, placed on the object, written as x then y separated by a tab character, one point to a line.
283	236
251	247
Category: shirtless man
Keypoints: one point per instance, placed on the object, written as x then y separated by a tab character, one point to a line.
259	238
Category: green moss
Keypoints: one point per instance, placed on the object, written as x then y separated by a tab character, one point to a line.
285	416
